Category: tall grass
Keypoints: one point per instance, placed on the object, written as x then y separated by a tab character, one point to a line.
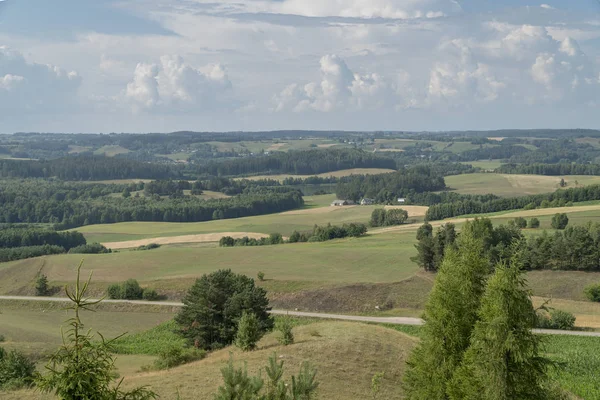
151	342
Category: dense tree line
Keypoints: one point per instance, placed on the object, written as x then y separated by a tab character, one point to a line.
72	205
386	188
17	237
576	248
550	169
79	168
166	187
328	232
468	206
297	162
20	253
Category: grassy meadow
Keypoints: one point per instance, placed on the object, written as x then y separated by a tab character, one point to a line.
335	174
513	185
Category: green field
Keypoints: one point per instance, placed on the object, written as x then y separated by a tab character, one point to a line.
513	185
485	165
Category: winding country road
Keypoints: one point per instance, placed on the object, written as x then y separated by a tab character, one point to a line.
357	318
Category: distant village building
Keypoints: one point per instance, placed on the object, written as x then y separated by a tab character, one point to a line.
367	202
339	203
401	200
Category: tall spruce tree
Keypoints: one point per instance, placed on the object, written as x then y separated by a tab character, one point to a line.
450	316
503	361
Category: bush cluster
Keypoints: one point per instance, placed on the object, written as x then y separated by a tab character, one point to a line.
555	319
383	217
131	290
150	246
274	238
91	248
329	232
16	370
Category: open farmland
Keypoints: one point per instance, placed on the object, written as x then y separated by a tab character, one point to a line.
513	185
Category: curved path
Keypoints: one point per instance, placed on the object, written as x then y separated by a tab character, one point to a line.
358	318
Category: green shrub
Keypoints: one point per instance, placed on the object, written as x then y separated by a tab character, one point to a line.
227	241
520	222
555	319
150	246
284	326
275	238
560	221
114	291
128	290
173	356
41	286
260	276
534	223
593	292
150	295
91	248
131	290
2	338
16	370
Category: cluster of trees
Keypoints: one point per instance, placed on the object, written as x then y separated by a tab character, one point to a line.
387	188
273	238
550	169
18	243
131	290
22	237
318	234
90	248
328	232
20	253
571	248
383	217
467	205
84	168
68	206
477	342
166	187
307	162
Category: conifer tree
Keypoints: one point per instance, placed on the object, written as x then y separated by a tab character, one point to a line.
503	361
249	332
450	316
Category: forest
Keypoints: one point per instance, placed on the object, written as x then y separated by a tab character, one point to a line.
306	162
68	205
386	188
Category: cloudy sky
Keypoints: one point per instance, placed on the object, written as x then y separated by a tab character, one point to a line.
165	65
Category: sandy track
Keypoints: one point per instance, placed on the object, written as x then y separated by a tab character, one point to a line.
200	238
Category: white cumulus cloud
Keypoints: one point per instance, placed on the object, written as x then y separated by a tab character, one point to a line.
177	86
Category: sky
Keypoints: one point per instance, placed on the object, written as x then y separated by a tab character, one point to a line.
247	65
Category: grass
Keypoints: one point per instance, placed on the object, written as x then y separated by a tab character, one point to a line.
513	185
578	364
367	259
346	356
152	341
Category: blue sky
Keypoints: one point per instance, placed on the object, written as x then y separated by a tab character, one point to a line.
165	65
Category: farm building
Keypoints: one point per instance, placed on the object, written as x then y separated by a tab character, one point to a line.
401	200
367	202
338	203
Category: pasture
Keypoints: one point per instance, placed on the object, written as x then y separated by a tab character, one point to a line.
514	185
111	150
